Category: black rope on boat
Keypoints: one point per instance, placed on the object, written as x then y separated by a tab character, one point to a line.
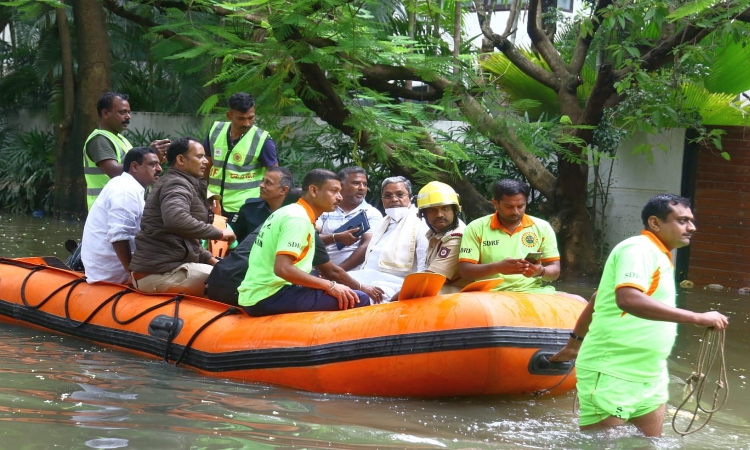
114	299
228	312
21	264
175	317
34	269
75	324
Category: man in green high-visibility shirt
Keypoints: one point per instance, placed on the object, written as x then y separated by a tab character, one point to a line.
238	154
105	147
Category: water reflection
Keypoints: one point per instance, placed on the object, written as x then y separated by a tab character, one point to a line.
61	392
29	236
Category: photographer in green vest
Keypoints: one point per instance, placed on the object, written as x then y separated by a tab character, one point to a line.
105	147
238	153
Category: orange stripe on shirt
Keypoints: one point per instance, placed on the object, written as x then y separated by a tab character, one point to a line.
654	282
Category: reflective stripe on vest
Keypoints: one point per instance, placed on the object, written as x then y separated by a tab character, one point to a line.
95	178
235	175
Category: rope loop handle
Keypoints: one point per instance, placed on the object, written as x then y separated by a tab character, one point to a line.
712	347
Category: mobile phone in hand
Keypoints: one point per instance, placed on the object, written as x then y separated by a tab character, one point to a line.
533	257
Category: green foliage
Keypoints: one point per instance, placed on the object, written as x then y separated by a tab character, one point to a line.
26	172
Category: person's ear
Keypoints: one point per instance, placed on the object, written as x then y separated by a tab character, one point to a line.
313	190
653	223
229	115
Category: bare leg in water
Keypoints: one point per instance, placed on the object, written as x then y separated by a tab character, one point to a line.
570	351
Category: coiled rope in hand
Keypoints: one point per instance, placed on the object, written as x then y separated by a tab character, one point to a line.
712	345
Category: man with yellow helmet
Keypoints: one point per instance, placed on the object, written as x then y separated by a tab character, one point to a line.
438	204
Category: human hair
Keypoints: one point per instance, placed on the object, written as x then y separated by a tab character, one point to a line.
509	187
241	101
318	178
136	155
660	205
287	177
107	100
344	173
398	179
292	195
179	147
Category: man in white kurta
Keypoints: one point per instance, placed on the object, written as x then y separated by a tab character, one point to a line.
115	218
398	246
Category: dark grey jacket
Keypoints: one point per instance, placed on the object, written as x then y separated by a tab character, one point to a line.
174	221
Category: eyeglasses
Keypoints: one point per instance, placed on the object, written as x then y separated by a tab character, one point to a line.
399	196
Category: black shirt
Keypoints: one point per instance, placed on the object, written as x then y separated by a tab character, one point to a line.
251	215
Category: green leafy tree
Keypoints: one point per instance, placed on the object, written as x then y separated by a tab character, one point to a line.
364	72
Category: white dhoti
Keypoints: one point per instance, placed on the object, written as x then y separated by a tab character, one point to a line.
390	284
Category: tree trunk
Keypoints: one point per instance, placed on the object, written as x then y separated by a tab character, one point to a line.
93	80
571	219
62	130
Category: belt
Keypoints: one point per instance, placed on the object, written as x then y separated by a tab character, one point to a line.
138	275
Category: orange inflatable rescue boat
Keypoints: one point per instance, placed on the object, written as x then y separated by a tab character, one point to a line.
465	344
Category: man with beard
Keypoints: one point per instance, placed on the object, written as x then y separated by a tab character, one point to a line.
497	245
238	155
438	205
278	278
105	147
115	218
353	191
621	370
168	254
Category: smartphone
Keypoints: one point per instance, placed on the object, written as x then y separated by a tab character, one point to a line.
533	257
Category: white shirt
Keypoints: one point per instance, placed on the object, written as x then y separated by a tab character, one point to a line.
329	222
114	216
390	240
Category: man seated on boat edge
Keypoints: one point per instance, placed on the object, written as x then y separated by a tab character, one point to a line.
345	248
499	245
399	244
439	206
115	218
228	273
168	255
281	257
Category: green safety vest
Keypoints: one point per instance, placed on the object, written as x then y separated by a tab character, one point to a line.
235	175
95	178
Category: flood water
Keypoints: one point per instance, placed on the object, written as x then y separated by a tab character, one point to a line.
61	392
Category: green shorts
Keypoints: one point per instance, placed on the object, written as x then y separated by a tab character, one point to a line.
601	396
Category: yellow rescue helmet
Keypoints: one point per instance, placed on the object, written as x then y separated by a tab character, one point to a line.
436	193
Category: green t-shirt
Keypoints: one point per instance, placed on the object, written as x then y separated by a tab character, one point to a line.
100	148
486	240
620	344
288	231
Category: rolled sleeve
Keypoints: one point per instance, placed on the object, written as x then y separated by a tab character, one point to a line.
123	217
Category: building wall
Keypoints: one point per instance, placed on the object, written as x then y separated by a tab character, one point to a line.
635	179
720	250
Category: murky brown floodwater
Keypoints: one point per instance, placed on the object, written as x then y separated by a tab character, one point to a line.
61	392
